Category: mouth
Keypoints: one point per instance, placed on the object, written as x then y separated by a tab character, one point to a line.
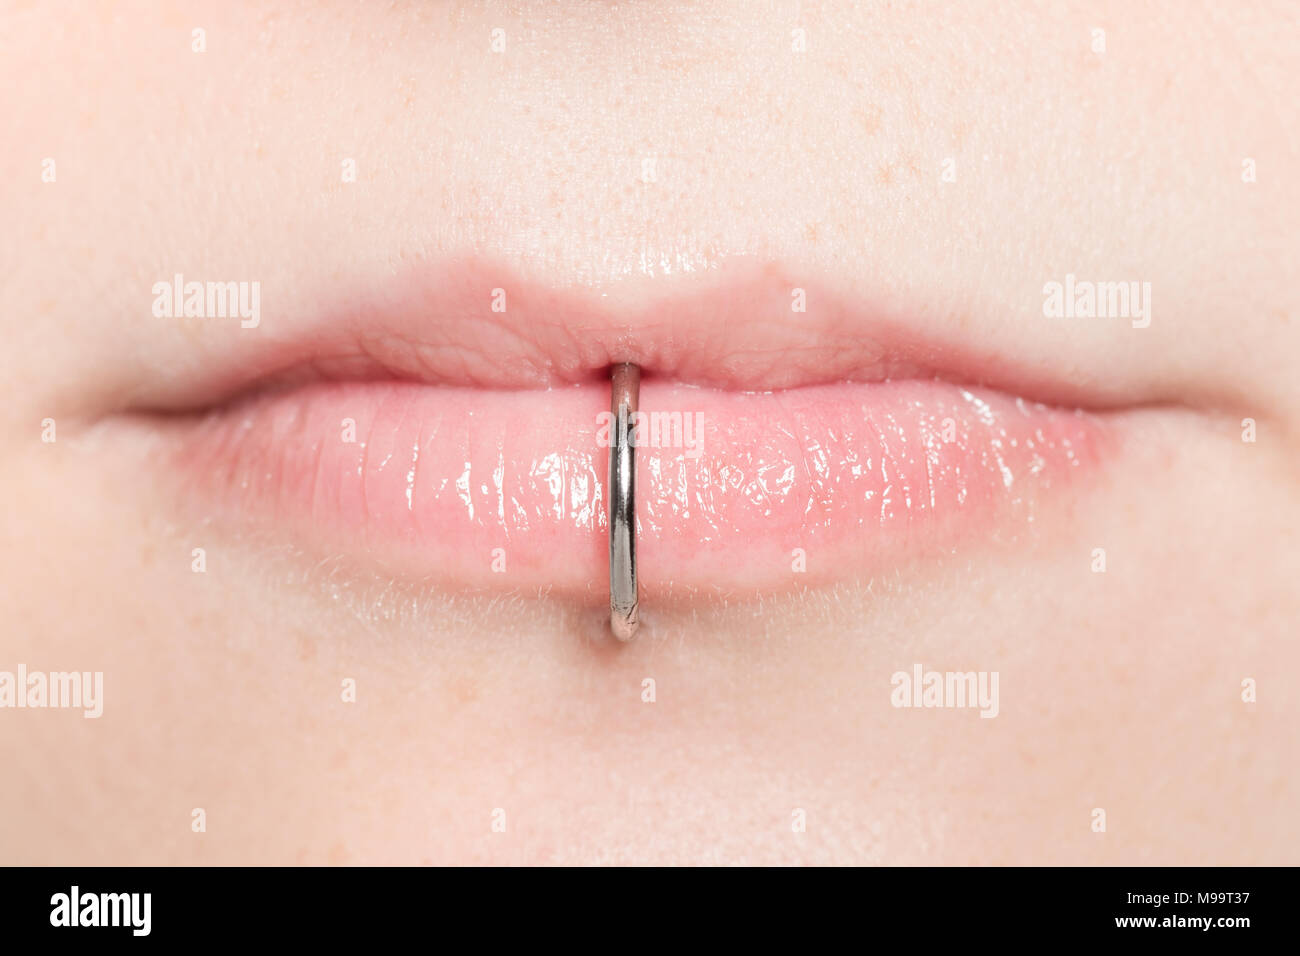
453	428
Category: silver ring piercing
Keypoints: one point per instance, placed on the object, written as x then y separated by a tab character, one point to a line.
626	381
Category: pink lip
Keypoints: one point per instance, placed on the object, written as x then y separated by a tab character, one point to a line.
460	445
507	489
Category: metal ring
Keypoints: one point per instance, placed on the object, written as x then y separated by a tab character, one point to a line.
626	381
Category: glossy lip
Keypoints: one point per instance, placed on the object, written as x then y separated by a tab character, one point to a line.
406	430
507	489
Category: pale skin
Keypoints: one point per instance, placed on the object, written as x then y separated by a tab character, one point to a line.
1159	691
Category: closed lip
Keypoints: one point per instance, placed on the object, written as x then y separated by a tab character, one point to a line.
419	429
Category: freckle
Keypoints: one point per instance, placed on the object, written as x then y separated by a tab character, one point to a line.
870	117
885	174
338	853
958	135
306	648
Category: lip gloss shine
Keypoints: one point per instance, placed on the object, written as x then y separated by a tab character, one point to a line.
482	489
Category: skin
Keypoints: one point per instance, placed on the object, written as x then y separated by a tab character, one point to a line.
1120	691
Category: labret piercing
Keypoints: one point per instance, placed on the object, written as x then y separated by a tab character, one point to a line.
626	382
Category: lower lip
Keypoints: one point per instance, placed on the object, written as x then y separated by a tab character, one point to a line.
484	489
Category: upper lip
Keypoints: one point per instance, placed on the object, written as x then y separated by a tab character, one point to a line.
475	323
